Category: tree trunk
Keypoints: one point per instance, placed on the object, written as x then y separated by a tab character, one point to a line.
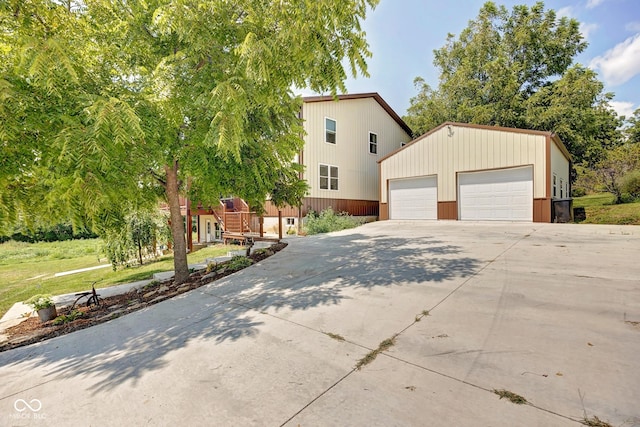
140	252
180	265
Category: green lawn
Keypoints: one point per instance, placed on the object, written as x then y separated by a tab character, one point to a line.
600	210
27	269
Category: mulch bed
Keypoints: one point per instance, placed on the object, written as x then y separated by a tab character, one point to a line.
32	330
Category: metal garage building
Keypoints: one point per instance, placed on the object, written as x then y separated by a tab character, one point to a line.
473	172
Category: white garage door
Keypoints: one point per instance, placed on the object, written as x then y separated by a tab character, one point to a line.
413	198
500	195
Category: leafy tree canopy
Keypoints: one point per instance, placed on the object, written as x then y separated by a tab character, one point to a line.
107	106
515	69
633	130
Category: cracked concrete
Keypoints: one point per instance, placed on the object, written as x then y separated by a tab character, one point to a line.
545	311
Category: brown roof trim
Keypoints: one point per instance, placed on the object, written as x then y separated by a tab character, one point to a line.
555	138
551	135
374	95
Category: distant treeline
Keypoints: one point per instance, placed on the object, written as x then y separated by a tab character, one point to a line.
54	233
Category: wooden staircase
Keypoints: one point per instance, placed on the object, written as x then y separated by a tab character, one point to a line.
234	216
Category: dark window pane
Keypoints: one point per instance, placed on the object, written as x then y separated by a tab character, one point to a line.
334	183
373	148
334	172
324	170
331	137
324	183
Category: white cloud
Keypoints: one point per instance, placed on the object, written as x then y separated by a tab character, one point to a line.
593	3
587	29
620	63
623	108
633	26
565	11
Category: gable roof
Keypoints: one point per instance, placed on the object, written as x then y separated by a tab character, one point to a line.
555	138
374	95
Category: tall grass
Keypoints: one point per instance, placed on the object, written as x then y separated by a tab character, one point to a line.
27	269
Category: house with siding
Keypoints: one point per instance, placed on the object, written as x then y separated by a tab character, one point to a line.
345	136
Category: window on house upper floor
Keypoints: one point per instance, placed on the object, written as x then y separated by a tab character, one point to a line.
373	143
328	177
561	188
330	130
555	185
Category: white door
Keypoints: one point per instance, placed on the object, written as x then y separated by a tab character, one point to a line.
498	195
209	239
413	198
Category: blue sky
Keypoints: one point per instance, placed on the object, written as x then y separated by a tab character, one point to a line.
402	35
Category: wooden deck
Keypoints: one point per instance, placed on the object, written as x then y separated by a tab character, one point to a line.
243	238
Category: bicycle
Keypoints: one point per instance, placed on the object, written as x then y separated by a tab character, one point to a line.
93	298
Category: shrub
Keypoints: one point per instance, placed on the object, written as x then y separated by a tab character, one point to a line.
631	184
328	221
66	318
578	192
239	262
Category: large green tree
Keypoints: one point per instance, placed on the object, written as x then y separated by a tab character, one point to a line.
111	105
515	69
632	131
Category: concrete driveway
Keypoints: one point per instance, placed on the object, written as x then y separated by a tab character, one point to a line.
548	312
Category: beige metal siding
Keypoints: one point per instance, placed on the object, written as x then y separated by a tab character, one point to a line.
357	168
463	149
559	167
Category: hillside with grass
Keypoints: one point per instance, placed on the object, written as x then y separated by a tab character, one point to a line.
27	269
600	209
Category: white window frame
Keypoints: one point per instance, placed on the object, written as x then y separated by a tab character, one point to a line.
334	132
373	144
328	177
561	188
555	185
291	221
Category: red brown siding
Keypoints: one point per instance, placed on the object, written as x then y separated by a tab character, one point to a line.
272	210
448	210
353	207
384	211
542	210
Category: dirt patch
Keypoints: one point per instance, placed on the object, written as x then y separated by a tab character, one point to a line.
32	330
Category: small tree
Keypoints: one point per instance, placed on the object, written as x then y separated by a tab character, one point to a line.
617	164
136	237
